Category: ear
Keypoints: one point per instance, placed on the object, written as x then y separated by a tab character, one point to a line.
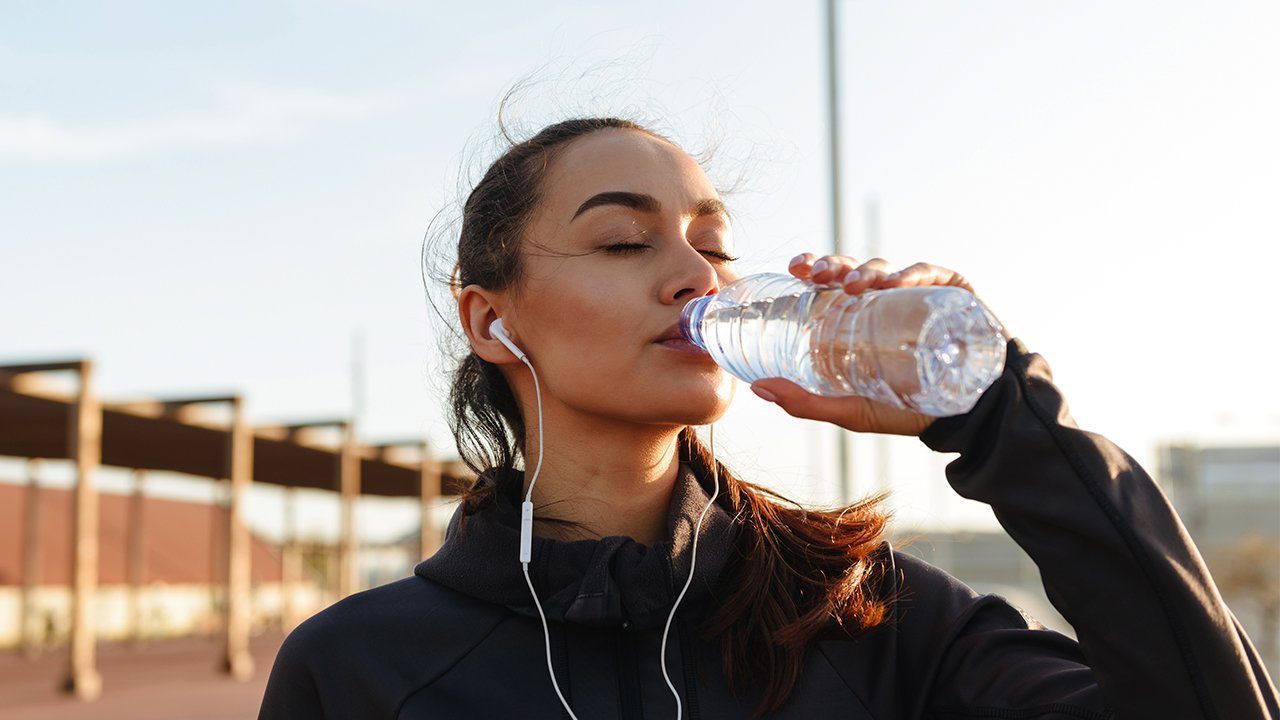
477	309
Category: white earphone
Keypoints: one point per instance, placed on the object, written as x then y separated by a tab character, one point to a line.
526	509
526	533
497	330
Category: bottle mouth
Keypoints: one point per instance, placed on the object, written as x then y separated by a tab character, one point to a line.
691	320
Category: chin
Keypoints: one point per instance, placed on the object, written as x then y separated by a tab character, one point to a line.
710	407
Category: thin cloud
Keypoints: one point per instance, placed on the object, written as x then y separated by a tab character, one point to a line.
243	114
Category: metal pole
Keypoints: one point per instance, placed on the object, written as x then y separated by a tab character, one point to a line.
843	439
349	487
428	492
357	382
833	105
881	478
238	661
290	563
137	538
349	475
873	228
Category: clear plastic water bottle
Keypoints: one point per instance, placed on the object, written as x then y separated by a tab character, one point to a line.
931	349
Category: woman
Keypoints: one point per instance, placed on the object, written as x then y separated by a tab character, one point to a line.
586	241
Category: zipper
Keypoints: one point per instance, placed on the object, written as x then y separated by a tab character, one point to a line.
630	694
690	667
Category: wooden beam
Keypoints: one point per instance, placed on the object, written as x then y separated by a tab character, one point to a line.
85	435
349	487
238	662
31	633
77	365
428	494
137	544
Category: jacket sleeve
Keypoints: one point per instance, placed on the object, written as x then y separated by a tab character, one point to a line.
1114	557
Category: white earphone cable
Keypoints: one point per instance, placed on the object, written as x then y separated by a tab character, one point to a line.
537	393
526	542
528	499
693	563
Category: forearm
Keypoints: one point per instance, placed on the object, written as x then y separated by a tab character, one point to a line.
1116	561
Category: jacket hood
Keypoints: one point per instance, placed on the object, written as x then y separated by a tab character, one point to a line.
614	582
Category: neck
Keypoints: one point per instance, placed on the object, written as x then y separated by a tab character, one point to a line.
603	480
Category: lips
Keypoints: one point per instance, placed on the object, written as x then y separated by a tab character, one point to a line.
671	333
673	339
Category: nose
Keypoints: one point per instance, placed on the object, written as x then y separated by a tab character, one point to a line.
690	276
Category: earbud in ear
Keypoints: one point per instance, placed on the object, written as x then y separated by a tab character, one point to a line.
496	330
526	509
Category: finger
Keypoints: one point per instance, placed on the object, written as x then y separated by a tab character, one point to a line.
797	402
851	413
801	264
866	275
925	274
830	269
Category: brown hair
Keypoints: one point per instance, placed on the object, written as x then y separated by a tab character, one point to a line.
796	575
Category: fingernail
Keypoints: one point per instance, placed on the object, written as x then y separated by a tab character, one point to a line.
818	267
852	277
764	394
796	260
894	276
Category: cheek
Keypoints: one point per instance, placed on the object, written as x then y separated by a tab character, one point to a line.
579	324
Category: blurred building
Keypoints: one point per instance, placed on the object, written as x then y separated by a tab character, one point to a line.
1229	499
161	569
989	562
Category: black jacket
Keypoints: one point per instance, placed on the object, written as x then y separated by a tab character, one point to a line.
461	638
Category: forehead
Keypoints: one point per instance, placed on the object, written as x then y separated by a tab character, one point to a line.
629	161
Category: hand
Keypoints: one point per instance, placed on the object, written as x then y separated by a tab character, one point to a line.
871	275
855	413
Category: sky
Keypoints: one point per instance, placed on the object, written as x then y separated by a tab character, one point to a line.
229	197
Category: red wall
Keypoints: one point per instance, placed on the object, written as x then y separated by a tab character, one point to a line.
180	538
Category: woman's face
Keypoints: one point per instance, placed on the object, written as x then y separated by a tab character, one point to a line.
629	230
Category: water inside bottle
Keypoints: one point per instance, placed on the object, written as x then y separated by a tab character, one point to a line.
929	349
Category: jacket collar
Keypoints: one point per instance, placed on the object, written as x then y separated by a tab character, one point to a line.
612	582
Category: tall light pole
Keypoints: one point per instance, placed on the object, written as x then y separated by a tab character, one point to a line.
833	104
843	460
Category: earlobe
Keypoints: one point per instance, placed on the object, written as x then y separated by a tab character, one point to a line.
478	309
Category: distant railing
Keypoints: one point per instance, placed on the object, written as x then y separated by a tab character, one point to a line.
40	419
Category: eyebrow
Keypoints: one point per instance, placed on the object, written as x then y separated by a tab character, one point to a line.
646	204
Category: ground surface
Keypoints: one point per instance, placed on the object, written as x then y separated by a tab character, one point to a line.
170	680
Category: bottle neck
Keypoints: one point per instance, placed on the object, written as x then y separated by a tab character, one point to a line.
691	320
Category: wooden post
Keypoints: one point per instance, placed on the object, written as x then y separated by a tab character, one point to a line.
137	534
238	662
349	486
428	492
219	560
30	632
290	564
85	435
331	570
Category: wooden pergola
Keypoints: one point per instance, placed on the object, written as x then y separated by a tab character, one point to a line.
40	420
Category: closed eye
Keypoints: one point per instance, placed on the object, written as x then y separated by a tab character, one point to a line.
717	255
626	248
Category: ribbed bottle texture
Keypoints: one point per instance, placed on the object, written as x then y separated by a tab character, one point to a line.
931	349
